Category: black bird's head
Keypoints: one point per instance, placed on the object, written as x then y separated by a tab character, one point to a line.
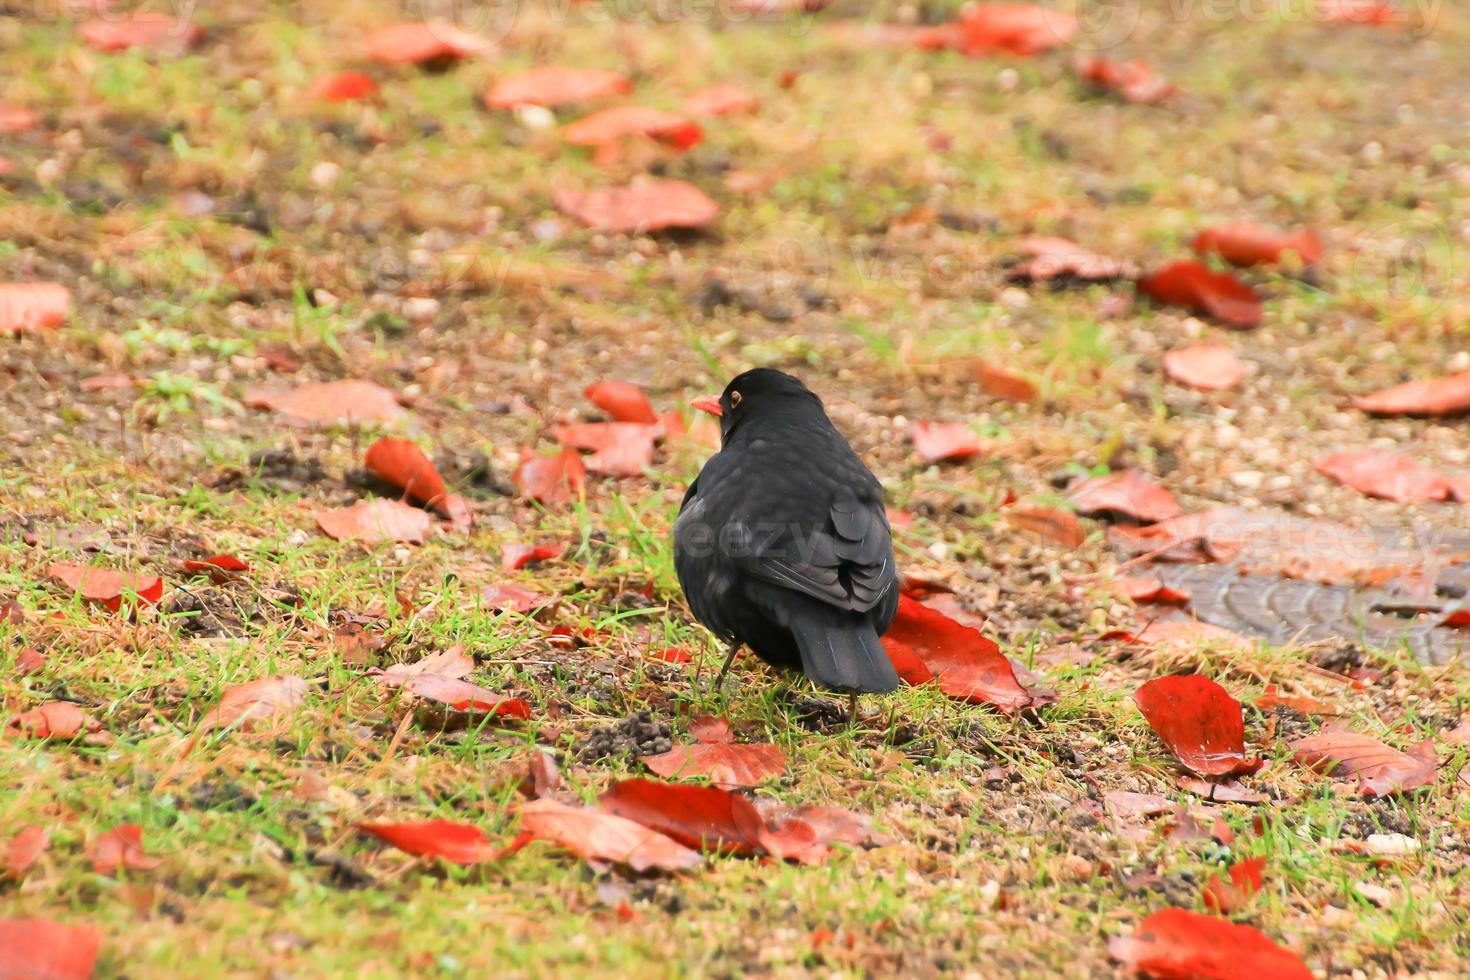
764	393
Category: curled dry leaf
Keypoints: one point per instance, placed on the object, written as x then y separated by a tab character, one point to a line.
1142	588
27	306
402	463
611	125
53	719
551	85
1439	396
42	949
550	480
1377	768
1208	367
969	666
1231	892
599	836
1244	244
1176	943
242	703
1387	474
347	402
723	763
140	29
418	43
1199	722
107	586
122	847
1194	286
724	99
375	521
937	442
342	86
515	555
1054	523
461	843
640	208
1130	493
1049	258
623	400
1134	79
543	777
24	849
220	568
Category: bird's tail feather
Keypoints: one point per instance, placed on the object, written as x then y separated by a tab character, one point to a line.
841	651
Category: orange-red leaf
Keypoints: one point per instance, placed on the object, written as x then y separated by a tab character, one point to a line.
1208	367
402	463
1195	286
375	521
619	448
551	85
1055	523
724	99
1000	382
598	836
1379	13
1134	80
107	586
623	400
41	949
514	598
122	847
1129	493
243	703
1378	769
416	43
17	119
1439	396
724	763
1228	895
347	402
1385	473
704	817
1296	702
969	666
343	86
140	29
53	719
1175	944
1199	722
1242	243
1145	589
1001	28
1049	258
461	695
26	306
640	208
611	125
711	730
25	848
516	555
461	843
220	568
940	441
550	480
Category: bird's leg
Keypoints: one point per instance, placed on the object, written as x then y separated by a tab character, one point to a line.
725	669
852	709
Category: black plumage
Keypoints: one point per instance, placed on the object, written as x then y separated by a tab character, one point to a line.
782	543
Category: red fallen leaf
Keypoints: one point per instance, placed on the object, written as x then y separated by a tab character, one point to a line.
611	125
343	86
461	843
375	521
969	666
1002	383
1242	243
550	480
703	817
598	836
1378	769
1208	367
1384	473
1121	804
621	448
725	764
243	703
1053	258
543	778
1306	705
805	834
1215	792
1192	824
347	402
906	663
453	662
41	949
1199	722
25	848
461	695
1229	895
54	719
402	463
623	400
417	43
1055	523
27	306
220	568
107	586
671	655
140	29
724	99
514	598
16	119
1176	944
1001	28
122	847
1145	589
1439	396
1376	12
711	730
1194	286
551	85
1130	493
1134	80
640	208
940	441
515	556
106	382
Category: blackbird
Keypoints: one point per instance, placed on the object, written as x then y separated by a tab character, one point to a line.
782	543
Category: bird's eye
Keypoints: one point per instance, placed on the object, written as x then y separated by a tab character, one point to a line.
734	399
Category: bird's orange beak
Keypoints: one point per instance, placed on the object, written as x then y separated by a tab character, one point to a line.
708	403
